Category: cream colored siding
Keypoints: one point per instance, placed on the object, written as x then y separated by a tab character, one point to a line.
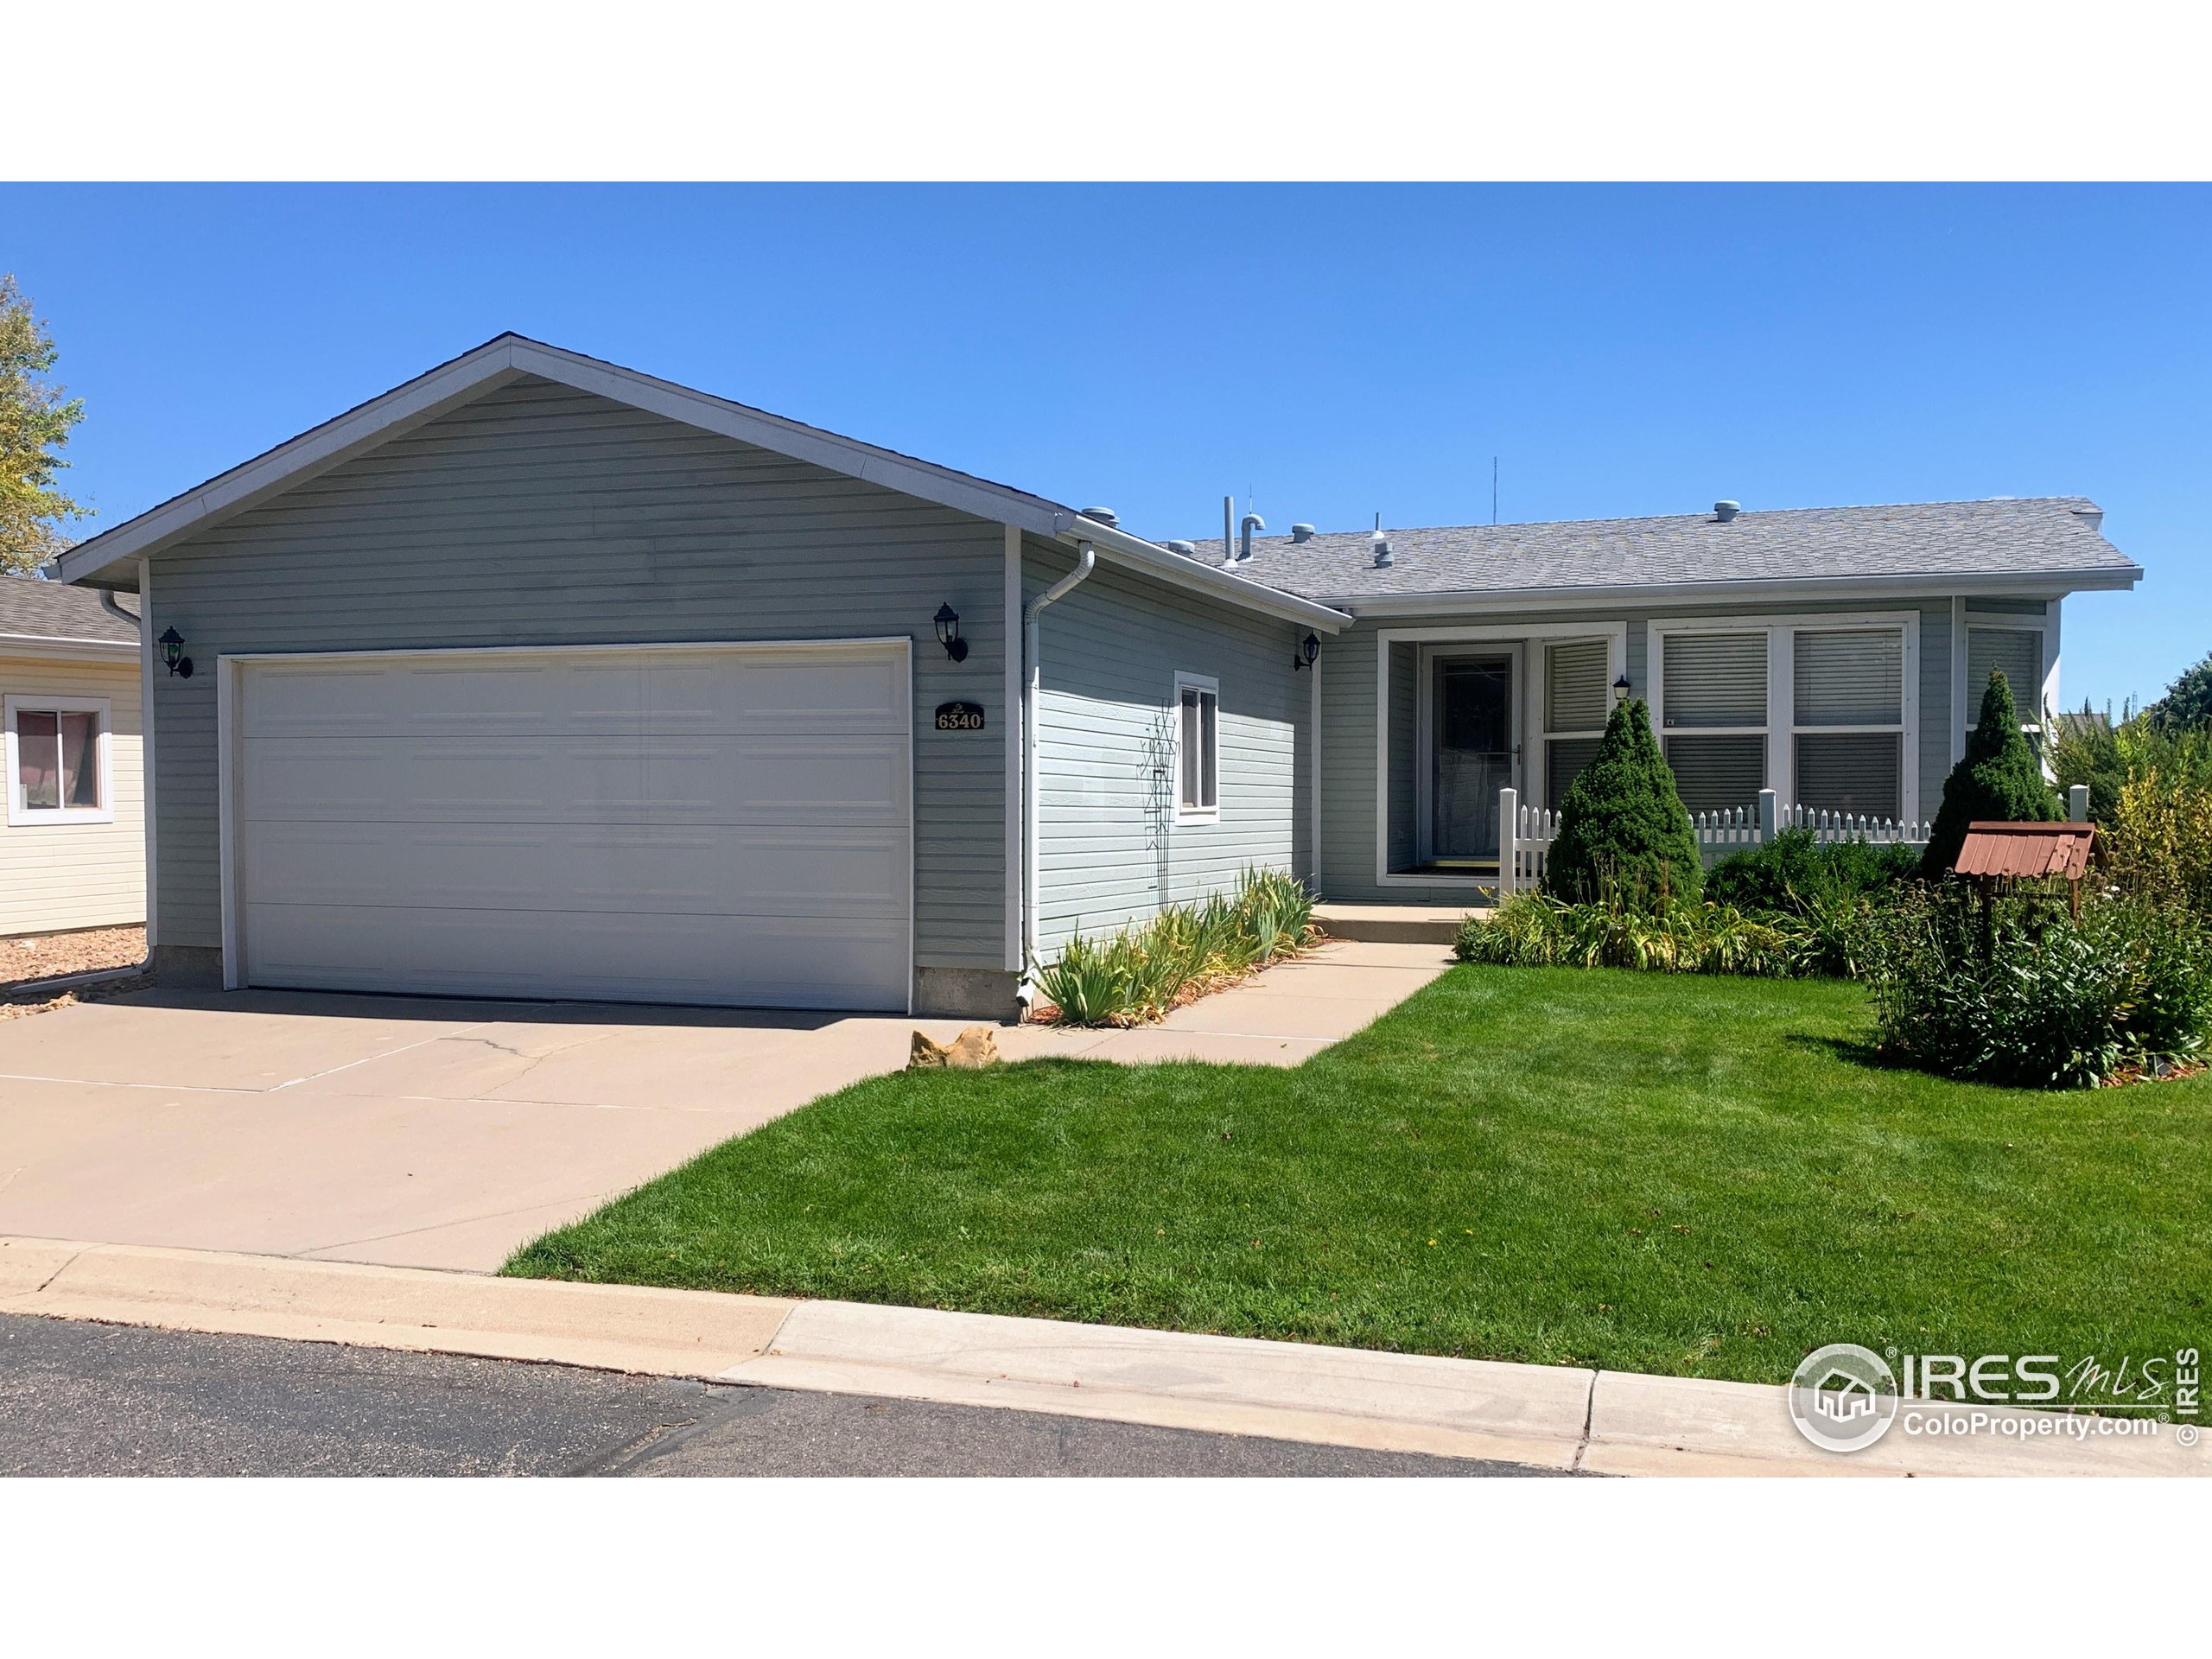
56	877
542	516
1110	848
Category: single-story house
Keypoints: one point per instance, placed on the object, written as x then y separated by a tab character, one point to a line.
537	677
72	848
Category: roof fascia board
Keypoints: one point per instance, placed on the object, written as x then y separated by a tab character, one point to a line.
46	644
316	450
851	456
2051	584
1135	553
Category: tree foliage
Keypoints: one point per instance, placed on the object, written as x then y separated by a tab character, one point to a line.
2186	706
35	422
1622	828
1998	779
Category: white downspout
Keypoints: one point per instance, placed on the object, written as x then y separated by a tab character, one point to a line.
1032	682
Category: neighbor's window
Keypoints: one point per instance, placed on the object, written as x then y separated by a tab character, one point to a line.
1713	692
1849	730
1198	743
57	759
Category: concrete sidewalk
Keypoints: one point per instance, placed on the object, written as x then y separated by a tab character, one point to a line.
1540	1416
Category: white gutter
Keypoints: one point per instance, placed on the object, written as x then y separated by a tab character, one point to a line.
1032	683
1930	585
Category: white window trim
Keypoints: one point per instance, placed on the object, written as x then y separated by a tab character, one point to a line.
1531	633
1185	681
30	818
1781	729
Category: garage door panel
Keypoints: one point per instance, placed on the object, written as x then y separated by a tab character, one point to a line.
774	963
657	870
776	692
570	693
728	825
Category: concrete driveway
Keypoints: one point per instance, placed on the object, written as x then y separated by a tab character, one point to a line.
387	1129
435	1134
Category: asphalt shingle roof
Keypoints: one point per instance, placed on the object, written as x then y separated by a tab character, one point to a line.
2007	536
53	610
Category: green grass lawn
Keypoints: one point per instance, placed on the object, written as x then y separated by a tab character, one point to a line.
1691	1175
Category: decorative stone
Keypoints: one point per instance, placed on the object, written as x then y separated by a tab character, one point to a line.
972	1049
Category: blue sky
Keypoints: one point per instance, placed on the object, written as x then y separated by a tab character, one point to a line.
1333	352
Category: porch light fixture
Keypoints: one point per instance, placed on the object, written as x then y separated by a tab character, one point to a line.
947	633
1308	649
172	645
1621	688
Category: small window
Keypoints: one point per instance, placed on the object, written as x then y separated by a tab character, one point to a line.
1197	744
57	760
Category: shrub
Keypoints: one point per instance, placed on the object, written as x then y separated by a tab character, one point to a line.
2088	750
1678	937
2042	1000
1796	874
2162	842
1139	973
1622	828
1998	778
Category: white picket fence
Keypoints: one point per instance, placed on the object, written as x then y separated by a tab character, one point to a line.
1526	832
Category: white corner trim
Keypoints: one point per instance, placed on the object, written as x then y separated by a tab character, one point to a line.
28	818
1012	738
146	763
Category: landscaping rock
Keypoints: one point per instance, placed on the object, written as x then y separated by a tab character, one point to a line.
971	1051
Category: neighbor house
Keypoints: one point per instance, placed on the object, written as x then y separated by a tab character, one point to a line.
537	677
72	850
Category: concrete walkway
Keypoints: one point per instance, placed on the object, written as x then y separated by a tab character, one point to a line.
1281	1017
1537	1417
423	1132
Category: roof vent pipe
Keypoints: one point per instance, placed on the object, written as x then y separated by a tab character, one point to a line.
1252	522
1228	530
1105	516
1725	511
1382	545
1302	532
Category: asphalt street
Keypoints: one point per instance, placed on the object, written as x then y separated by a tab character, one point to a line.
81	1399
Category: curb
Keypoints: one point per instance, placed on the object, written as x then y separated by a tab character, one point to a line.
24	990
1550	1417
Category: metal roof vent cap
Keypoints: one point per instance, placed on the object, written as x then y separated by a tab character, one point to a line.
1105	516
1725	511
1188	550
1382	560
1302	532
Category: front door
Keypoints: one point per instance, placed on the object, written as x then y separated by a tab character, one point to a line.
1475	754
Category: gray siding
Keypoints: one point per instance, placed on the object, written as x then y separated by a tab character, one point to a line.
538	515
1349	769
1110	850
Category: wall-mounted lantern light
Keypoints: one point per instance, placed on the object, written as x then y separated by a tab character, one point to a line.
1621	688
947	633
172	645
1308	649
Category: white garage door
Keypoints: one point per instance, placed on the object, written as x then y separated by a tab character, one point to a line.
719	823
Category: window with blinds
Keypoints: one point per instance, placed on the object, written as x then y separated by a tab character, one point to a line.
2017	653
1847	739
1578	698
1712	698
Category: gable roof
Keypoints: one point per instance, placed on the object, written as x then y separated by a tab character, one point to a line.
1950	546
49	613
509	357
